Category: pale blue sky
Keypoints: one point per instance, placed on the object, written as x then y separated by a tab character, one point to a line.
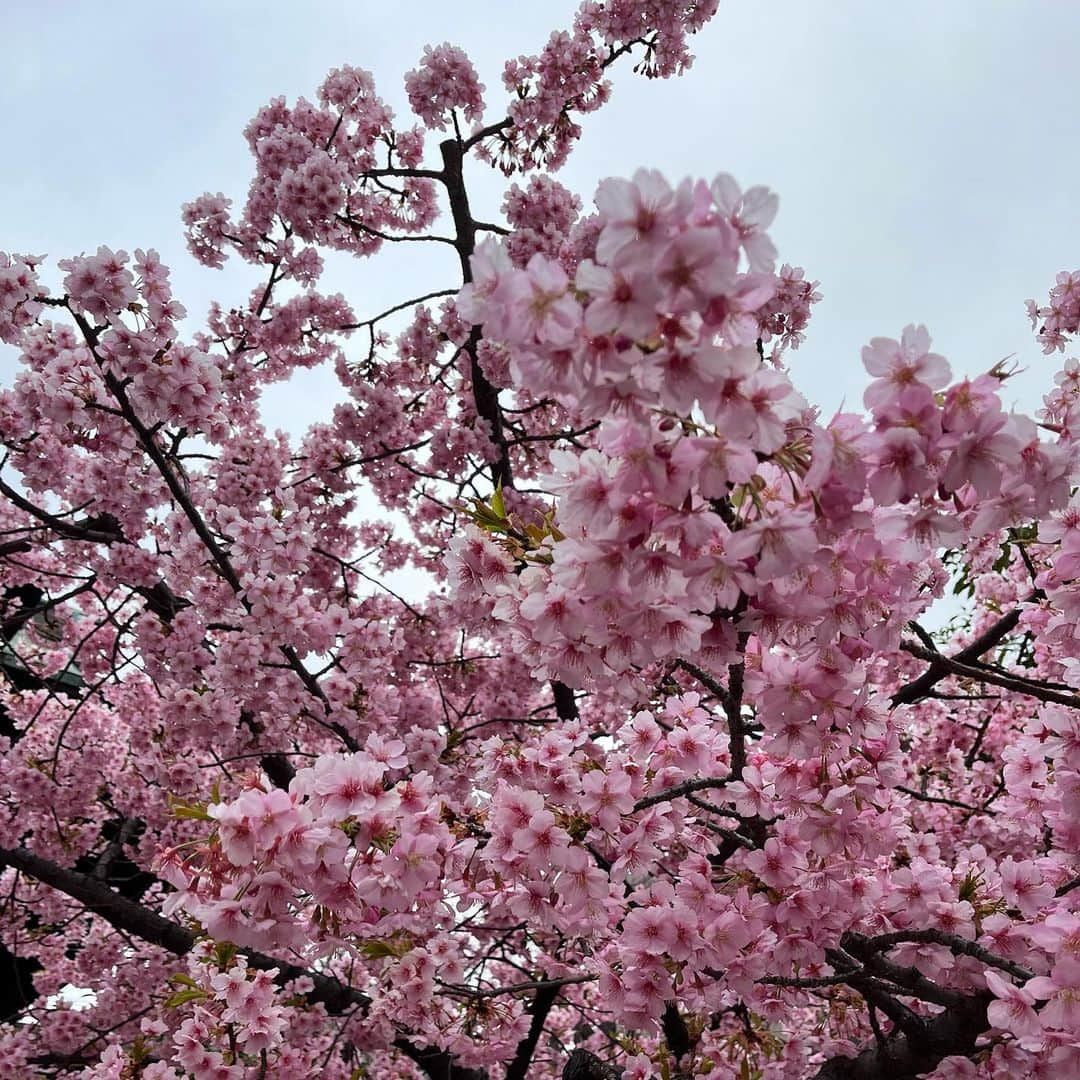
924	153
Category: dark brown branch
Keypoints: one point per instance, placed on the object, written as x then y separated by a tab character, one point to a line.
990	637
614	53
421	174
1068	886
954	1031
919	1043
706	680
565	703
399	307
860	945
148	926
15	547
910	979
162	601
878	994
98	898
438	1064
38	605
516	988
132	918
545	998
584	1065
812	982
127	833
923	797
102	529
486	133
367	230
676	1033
733	709
678	791
279	769
946	665
924	636
980	736
485	396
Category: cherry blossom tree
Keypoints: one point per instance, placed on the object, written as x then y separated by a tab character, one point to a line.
665	777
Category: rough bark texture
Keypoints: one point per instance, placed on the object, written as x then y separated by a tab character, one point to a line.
586	1066
903	1057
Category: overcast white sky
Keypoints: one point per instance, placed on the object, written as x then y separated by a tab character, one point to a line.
925	153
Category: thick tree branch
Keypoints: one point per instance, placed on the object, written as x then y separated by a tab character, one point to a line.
438	1064
919	1043
565	703
948	665
715	688
154	929
733	709
860	945
15	547
676	1033
98	898
902	1057
542	1002
485	396
991	636
584	1065
102	529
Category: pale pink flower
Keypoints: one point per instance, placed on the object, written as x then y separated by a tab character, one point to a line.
750	212
1013	1010
897	364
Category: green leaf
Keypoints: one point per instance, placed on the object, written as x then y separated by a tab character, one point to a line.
964	586
1004	558
486	518
182	997
224	952
190	812
378	950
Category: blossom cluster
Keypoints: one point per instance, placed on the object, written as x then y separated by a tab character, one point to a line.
666	770
568	76
444	81
1060	317
18	292
709	475
575	840
312	165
